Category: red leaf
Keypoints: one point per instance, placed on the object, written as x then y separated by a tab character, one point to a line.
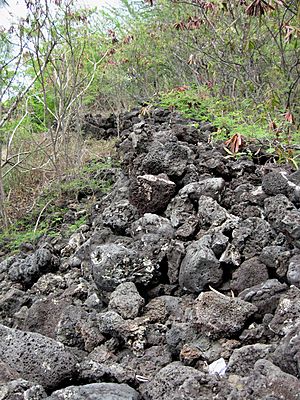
181	88
289	117
234	143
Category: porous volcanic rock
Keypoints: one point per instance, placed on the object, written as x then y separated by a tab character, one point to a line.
221	316
36	358
93	391
182	284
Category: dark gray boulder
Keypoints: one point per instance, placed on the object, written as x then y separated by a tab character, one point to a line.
287	313
179	210
175	381
267	381
28	270
274	183
242	360
293	273
111	324
287	353
175	254
283	215
251	236
21	389
96	391
179	334
126	300
113	264
43	316
211	187
11	302
200	267
276	258
36	358
118	216
210	213
217	315
152	224
250	273
170	158
102	364
77	328
150	193
265	296
149	364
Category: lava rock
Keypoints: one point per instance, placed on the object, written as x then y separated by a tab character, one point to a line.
170	158
264	296
242	360
94	391
283	215
293	273
287	313
287	354
126	300
36	358
152	224
43	316
173	382
118	216
210	213
200	267
251	236
218	316
176	252
21	389
113	264
28	270
102	364
149	364
276	258
180	210
12	301
275	183
77	328
150	193
268	382
251	272
211	187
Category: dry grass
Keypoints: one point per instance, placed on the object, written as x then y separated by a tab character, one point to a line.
25	185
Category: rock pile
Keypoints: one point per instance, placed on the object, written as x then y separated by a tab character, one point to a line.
185	284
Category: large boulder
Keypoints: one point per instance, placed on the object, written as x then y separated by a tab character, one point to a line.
36	358
151	193
251	272
126	300
283	216
287	354
20	389
96	391
265	296
113	264
200	267
217	315
28	270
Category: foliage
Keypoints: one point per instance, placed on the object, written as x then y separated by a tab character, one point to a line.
197	104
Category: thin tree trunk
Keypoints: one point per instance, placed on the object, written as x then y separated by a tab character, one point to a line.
3	212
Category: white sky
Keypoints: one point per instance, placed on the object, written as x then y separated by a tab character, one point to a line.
17	9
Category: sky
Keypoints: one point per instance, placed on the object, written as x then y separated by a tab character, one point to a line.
17	9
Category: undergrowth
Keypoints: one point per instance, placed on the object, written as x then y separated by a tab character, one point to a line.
50	214
249	121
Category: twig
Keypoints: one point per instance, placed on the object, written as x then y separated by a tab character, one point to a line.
40	215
